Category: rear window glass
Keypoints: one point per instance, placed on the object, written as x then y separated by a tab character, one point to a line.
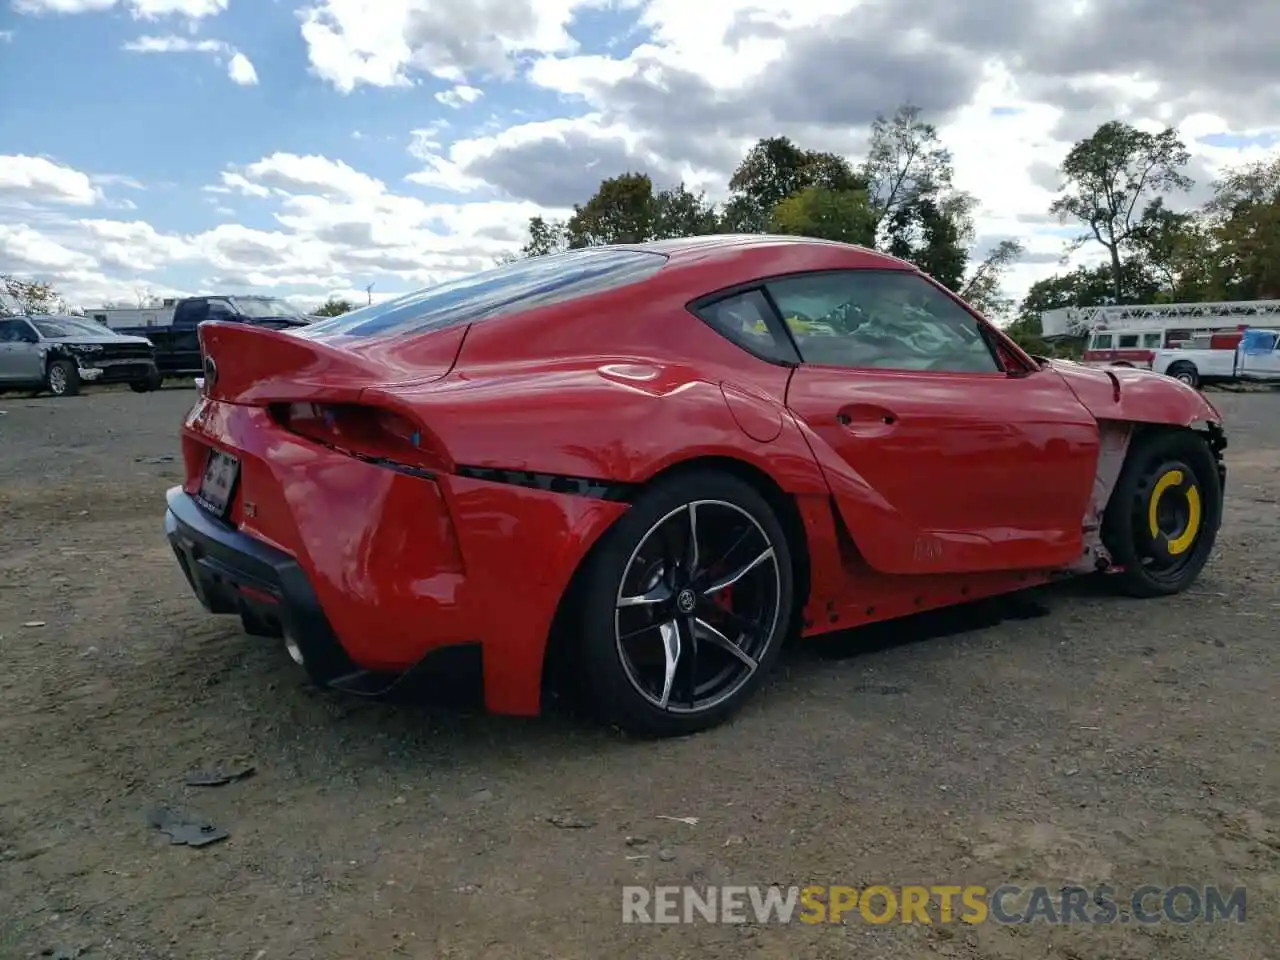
522	285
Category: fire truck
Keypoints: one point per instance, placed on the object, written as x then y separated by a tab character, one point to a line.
1128	335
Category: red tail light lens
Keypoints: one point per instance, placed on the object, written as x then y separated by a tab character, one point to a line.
368	433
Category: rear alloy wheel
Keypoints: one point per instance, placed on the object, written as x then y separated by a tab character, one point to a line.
687	603
1186	372
1163	518
63	379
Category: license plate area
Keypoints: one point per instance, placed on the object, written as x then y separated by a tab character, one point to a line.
218	484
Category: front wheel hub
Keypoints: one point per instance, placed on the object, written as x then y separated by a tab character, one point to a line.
1173	515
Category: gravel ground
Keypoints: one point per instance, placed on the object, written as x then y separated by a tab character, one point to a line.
1109	741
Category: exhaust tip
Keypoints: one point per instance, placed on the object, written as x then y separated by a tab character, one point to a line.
295	651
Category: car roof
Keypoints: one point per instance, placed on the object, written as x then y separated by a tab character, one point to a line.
678	248
721	261
749	254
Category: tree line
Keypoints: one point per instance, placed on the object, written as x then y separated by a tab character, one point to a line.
1119	186
901	199
1123	188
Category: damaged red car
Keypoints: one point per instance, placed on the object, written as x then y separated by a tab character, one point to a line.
655	464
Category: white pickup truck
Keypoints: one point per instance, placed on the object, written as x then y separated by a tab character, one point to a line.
1257	358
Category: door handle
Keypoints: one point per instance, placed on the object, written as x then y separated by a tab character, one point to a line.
866	419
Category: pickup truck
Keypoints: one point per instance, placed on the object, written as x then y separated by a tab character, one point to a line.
177	346
1256	358
58	354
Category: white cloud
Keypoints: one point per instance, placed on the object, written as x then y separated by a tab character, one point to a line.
37	179
172	44
140	9
338	229
385	43
241	70
238	66
26	249
459	96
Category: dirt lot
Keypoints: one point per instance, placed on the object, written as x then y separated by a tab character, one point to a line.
1110	741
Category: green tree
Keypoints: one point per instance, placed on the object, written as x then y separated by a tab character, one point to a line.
335	307
1175	256
545	236
921	217
774	170
842	215
984	290
622	210
906	162
1243	220
679	212
1109	178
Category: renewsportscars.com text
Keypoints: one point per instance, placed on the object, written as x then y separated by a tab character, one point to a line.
941	904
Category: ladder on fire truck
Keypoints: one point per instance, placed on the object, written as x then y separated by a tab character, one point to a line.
1222	315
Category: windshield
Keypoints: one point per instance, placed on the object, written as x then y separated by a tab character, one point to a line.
262	309
70	327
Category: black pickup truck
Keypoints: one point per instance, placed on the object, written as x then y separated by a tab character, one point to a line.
177	347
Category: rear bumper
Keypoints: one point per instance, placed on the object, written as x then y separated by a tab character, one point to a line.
231	572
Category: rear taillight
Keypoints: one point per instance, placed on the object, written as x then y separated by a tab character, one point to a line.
368	433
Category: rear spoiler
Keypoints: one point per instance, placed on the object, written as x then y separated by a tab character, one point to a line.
258	365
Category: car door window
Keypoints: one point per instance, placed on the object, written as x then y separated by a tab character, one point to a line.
880	319
16	331
191	313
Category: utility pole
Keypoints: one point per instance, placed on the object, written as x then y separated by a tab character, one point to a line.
369	293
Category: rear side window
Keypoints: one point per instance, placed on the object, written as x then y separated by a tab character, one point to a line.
1128	341
749	321
510	288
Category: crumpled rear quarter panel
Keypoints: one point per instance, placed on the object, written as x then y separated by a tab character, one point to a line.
401	564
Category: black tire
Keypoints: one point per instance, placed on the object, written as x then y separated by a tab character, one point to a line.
1185	371
1187	511
610	678
153	382
62	379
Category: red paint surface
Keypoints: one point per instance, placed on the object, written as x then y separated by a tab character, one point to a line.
977	485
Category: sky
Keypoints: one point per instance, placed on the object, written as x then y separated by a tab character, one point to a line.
311	148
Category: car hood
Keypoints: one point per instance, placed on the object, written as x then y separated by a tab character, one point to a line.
87	340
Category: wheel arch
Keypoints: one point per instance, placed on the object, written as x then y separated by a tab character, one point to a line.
782	503
1138	432
1141	436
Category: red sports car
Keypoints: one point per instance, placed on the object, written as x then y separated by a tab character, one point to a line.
655	463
